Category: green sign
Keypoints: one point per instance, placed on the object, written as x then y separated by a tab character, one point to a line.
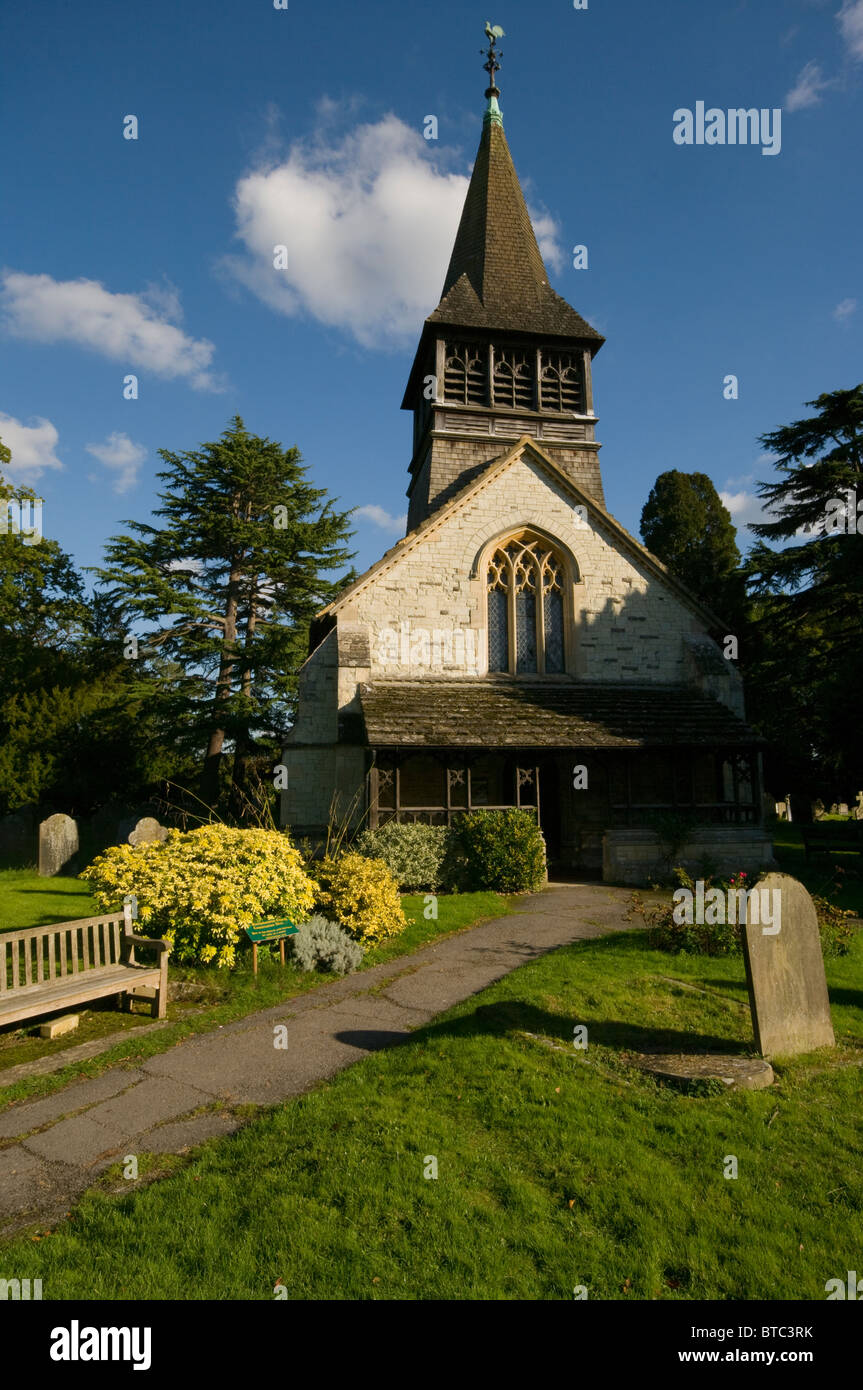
270	931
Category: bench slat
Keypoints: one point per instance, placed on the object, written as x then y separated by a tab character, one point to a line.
15	980
52	964
36	1000
2	966
84	933
62	953
28	968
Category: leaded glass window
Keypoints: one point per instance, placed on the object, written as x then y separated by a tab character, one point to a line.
525	586
498	630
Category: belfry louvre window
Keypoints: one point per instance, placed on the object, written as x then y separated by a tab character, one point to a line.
514	374
525	609
466	373
562	383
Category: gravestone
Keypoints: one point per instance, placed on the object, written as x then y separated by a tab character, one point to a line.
785	970
843	808
145	830
857	811
834	809
818	809
58	842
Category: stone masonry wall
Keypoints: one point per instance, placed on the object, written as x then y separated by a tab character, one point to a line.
628	624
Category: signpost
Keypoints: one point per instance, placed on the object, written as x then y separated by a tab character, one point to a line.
269	931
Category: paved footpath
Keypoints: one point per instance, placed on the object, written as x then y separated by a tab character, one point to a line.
51	1150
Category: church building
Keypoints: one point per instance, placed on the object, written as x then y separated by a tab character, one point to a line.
518	647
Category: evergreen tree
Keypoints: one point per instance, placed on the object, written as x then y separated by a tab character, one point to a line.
226	588
685	524
807	678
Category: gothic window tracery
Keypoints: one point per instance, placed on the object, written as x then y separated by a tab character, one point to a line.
466	373
562	384
524	584
514	373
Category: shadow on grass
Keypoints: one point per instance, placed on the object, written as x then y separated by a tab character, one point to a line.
510	1017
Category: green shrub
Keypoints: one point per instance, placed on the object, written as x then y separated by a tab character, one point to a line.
413	853
200	888
725	938
501	851
834	924
323	945
361	894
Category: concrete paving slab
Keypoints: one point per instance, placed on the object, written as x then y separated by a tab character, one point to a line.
78	1142
29	1115
186	1134
153	1100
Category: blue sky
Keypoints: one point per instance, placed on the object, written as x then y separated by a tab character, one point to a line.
304	127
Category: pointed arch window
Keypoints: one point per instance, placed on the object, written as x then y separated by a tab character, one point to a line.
514	374
524	584
466	373
562	382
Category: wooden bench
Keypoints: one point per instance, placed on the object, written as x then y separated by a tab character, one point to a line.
56	967
827	835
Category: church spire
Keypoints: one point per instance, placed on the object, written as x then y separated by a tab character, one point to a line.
502	355
496	277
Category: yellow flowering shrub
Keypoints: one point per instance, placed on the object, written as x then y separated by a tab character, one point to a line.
201	888
362	895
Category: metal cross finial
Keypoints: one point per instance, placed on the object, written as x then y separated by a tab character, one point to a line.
492	65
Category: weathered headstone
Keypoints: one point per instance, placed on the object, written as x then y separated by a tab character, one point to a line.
834	809
857	811
145	830
785	969
818	809
58	842
843	808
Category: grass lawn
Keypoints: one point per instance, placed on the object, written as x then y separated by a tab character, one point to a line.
26	900
211	997
555	1167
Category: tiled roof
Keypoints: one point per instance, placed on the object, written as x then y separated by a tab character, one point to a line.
489	713
496	277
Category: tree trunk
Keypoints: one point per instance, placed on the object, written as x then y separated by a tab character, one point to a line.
227	661
243	751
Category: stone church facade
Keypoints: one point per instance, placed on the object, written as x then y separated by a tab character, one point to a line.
518	647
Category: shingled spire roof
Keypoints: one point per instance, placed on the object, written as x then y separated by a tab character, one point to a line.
496	277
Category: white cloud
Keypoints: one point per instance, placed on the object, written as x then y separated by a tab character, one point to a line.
745	507
382	518
547	236
32	448
850	19
807	89
844	309
368	221
121	453
131	328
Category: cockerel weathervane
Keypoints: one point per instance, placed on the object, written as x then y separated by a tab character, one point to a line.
493	32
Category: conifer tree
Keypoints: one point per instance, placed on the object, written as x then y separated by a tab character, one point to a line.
224	589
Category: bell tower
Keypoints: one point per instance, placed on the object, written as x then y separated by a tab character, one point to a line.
502	355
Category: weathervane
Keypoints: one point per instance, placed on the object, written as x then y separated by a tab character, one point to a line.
492	33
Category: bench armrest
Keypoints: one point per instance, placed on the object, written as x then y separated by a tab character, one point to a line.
157	941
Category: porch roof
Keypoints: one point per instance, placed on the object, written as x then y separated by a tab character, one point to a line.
488	713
